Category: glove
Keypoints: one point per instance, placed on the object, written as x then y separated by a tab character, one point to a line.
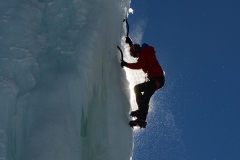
123	63
128	40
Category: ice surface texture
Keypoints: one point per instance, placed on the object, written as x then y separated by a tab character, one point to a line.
63	94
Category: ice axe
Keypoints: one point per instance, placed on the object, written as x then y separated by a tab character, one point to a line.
120	52
124	20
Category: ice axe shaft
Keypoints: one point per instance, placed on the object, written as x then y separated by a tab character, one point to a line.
120	52
125	20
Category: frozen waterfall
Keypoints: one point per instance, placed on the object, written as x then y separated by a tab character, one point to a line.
63	94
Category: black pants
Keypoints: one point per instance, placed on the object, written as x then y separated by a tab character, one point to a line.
144	92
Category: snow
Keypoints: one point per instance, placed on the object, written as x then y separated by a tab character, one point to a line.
63	94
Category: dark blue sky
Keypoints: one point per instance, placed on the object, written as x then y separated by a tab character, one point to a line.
198	45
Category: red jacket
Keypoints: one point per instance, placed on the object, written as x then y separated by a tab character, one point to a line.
147	61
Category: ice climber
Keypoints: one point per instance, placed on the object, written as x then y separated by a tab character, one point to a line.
146	61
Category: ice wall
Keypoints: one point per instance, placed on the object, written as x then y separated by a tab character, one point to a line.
62	92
